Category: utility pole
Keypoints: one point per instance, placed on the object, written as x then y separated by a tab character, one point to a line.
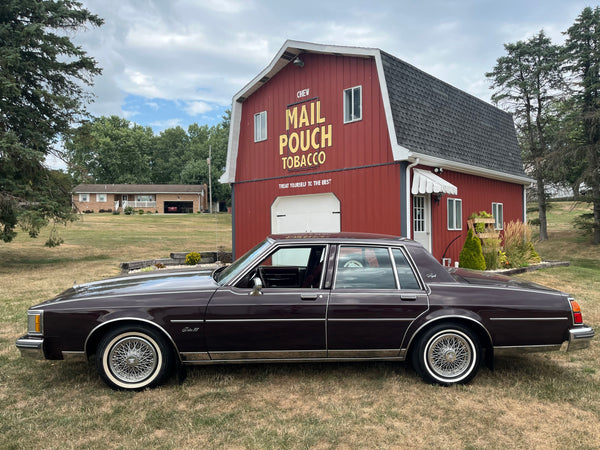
209	179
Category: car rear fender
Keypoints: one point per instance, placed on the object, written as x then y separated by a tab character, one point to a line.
463	317
91	342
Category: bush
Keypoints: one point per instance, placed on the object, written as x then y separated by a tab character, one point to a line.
128	210
193	258
584	223
471	256
491	248
518	247
116	213
141	211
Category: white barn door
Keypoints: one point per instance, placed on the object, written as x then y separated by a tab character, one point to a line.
316	213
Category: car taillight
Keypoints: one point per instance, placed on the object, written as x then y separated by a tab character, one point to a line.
577	317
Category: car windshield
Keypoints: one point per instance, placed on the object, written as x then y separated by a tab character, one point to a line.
225	276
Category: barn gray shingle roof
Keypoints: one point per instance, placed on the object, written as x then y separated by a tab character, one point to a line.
436	119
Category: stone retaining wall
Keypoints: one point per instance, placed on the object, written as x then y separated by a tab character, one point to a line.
177	259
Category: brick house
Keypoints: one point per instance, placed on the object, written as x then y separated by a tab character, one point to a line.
161	198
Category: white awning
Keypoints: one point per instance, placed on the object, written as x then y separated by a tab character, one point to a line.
425	182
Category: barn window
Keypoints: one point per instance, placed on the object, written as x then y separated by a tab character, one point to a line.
353	104
454	214
260	126
498	213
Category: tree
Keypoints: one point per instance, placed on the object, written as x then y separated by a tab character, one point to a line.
43	77
527	82
110	150
582	59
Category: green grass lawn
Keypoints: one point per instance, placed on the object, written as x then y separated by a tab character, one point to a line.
530	401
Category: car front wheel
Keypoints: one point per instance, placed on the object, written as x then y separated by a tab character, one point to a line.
447	354
133	358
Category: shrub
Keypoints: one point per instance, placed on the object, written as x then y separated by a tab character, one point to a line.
116	213
141	211
471	256
128	210
193	258
518	246
585	223
491	252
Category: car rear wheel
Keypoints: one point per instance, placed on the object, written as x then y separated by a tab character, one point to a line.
133	358
447	354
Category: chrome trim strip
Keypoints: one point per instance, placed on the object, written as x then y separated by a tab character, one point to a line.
187	320
375	319
194	356
266	355
520	349
264	320
381	353
527	318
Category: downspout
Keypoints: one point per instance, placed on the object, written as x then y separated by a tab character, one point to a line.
408	194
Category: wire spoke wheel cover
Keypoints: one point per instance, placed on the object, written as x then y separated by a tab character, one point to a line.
132	359
449	354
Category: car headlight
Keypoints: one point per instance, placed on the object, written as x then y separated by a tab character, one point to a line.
35	323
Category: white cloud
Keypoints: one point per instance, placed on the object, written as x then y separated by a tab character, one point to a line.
198	108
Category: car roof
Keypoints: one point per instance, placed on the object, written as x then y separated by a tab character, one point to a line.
372	238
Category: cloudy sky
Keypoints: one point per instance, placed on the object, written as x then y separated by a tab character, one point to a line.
175	62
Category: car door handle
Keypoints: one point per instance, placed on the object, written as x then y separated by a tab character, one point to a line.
309	297
408	298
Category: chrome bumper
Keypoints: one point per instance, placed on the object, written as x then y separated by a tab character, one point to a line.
31	347
580	337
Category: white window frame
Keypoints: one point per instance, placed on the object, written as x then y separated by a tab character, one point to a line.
457	217
101	198
260	126
498	218
84	198
349	118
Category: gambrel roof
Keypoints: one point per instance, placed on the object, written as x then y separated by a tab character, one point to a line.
428	120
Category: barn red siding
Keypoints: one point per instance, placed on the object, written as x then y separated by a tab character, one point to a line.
260	170
477	194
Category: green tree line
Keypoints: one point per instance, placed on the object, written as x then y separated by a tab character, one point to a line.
114	150
553	92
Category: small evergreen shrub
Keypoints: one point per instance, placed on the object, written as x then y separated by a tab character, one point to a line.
141	211
193	258
128	210
471	256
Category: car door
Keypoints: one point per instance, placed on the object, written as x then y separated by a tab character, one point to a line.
375	297
284	319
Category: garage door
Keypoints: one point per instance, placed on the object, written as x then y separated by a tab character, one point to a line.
318	213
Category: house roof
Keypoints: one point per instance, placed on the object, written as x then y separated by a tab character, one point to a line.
139	188
428	120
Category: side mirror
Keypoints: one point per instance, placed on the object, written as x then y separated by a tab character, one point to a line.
257	290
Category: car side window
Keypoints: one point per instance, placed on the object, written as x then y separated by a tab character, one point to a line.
406	276
289	267
361	267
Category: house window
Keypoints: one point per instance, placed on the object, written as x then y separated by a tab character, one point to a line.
145	198
260	126
454	214
100	197
498	213
84	197
353	104
419	213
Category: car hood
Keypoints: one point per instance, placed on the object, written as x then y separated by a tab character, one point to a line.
142	284
477	277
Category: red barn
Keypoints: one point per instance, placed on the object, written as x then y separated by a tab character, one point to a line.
330	138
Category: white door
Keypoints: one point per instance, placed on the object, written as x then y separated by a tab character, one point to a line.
317	213
421	215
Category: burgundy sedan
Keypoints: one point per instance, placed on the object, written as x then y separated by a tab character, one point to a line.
330	297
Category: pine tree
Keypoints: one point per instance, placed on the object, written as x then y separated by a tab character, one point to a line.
471	256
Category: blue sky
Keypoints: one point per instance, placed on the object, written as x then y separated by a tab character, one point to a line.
175	62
